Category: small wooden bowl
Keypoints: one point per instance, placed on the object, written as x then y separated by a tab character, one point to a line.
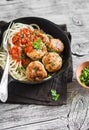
79	69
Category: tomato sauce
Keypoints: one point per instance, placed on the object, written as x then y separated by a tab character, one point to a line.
15	52
25	37
22	37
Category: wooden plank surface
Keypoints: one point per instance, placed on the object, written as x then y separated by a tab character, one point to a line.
74	115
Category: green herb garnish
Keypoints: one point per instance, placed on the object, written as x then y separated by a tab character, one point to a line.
36	68
49	74
22	35
84	77
23	55
48	48
52	63
54	95
37	44
19	68
24	66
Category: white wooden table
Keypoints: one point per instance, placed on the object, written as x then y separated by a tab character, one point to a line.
74	115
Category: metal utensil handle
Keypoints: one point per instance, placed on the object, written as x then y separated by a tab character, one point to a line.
4	82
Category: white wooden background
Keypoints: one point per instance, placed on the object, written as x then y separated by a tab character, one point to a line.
74	115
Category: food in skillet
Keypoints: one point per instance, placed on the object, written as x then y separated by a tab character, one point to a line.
33	53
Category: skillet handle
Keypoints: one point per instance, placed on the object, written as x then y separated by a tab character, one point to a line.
2	24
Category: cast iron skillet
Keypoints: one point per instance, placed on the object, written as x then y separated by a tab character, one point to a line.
50	28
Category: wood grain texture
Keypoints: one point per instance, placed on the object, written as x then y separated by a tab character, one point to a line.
74	115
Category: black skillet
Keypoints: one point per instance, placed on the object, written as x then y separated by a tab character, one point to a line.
49	28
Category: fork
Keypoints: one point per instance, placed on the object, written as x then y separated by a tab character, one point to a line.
4	80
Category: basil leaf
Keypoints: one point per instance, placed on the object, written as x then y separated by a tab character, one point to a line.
37	44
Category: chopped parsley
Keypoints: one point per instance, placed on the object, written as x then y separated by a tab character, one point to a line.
49	74
19	68
22	35
84	77
54	95
48	48
36	68
23	55
37	44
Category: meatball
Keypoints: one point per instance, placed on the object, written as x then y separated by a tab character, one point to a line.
35	71
37	54
55	45
52	61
